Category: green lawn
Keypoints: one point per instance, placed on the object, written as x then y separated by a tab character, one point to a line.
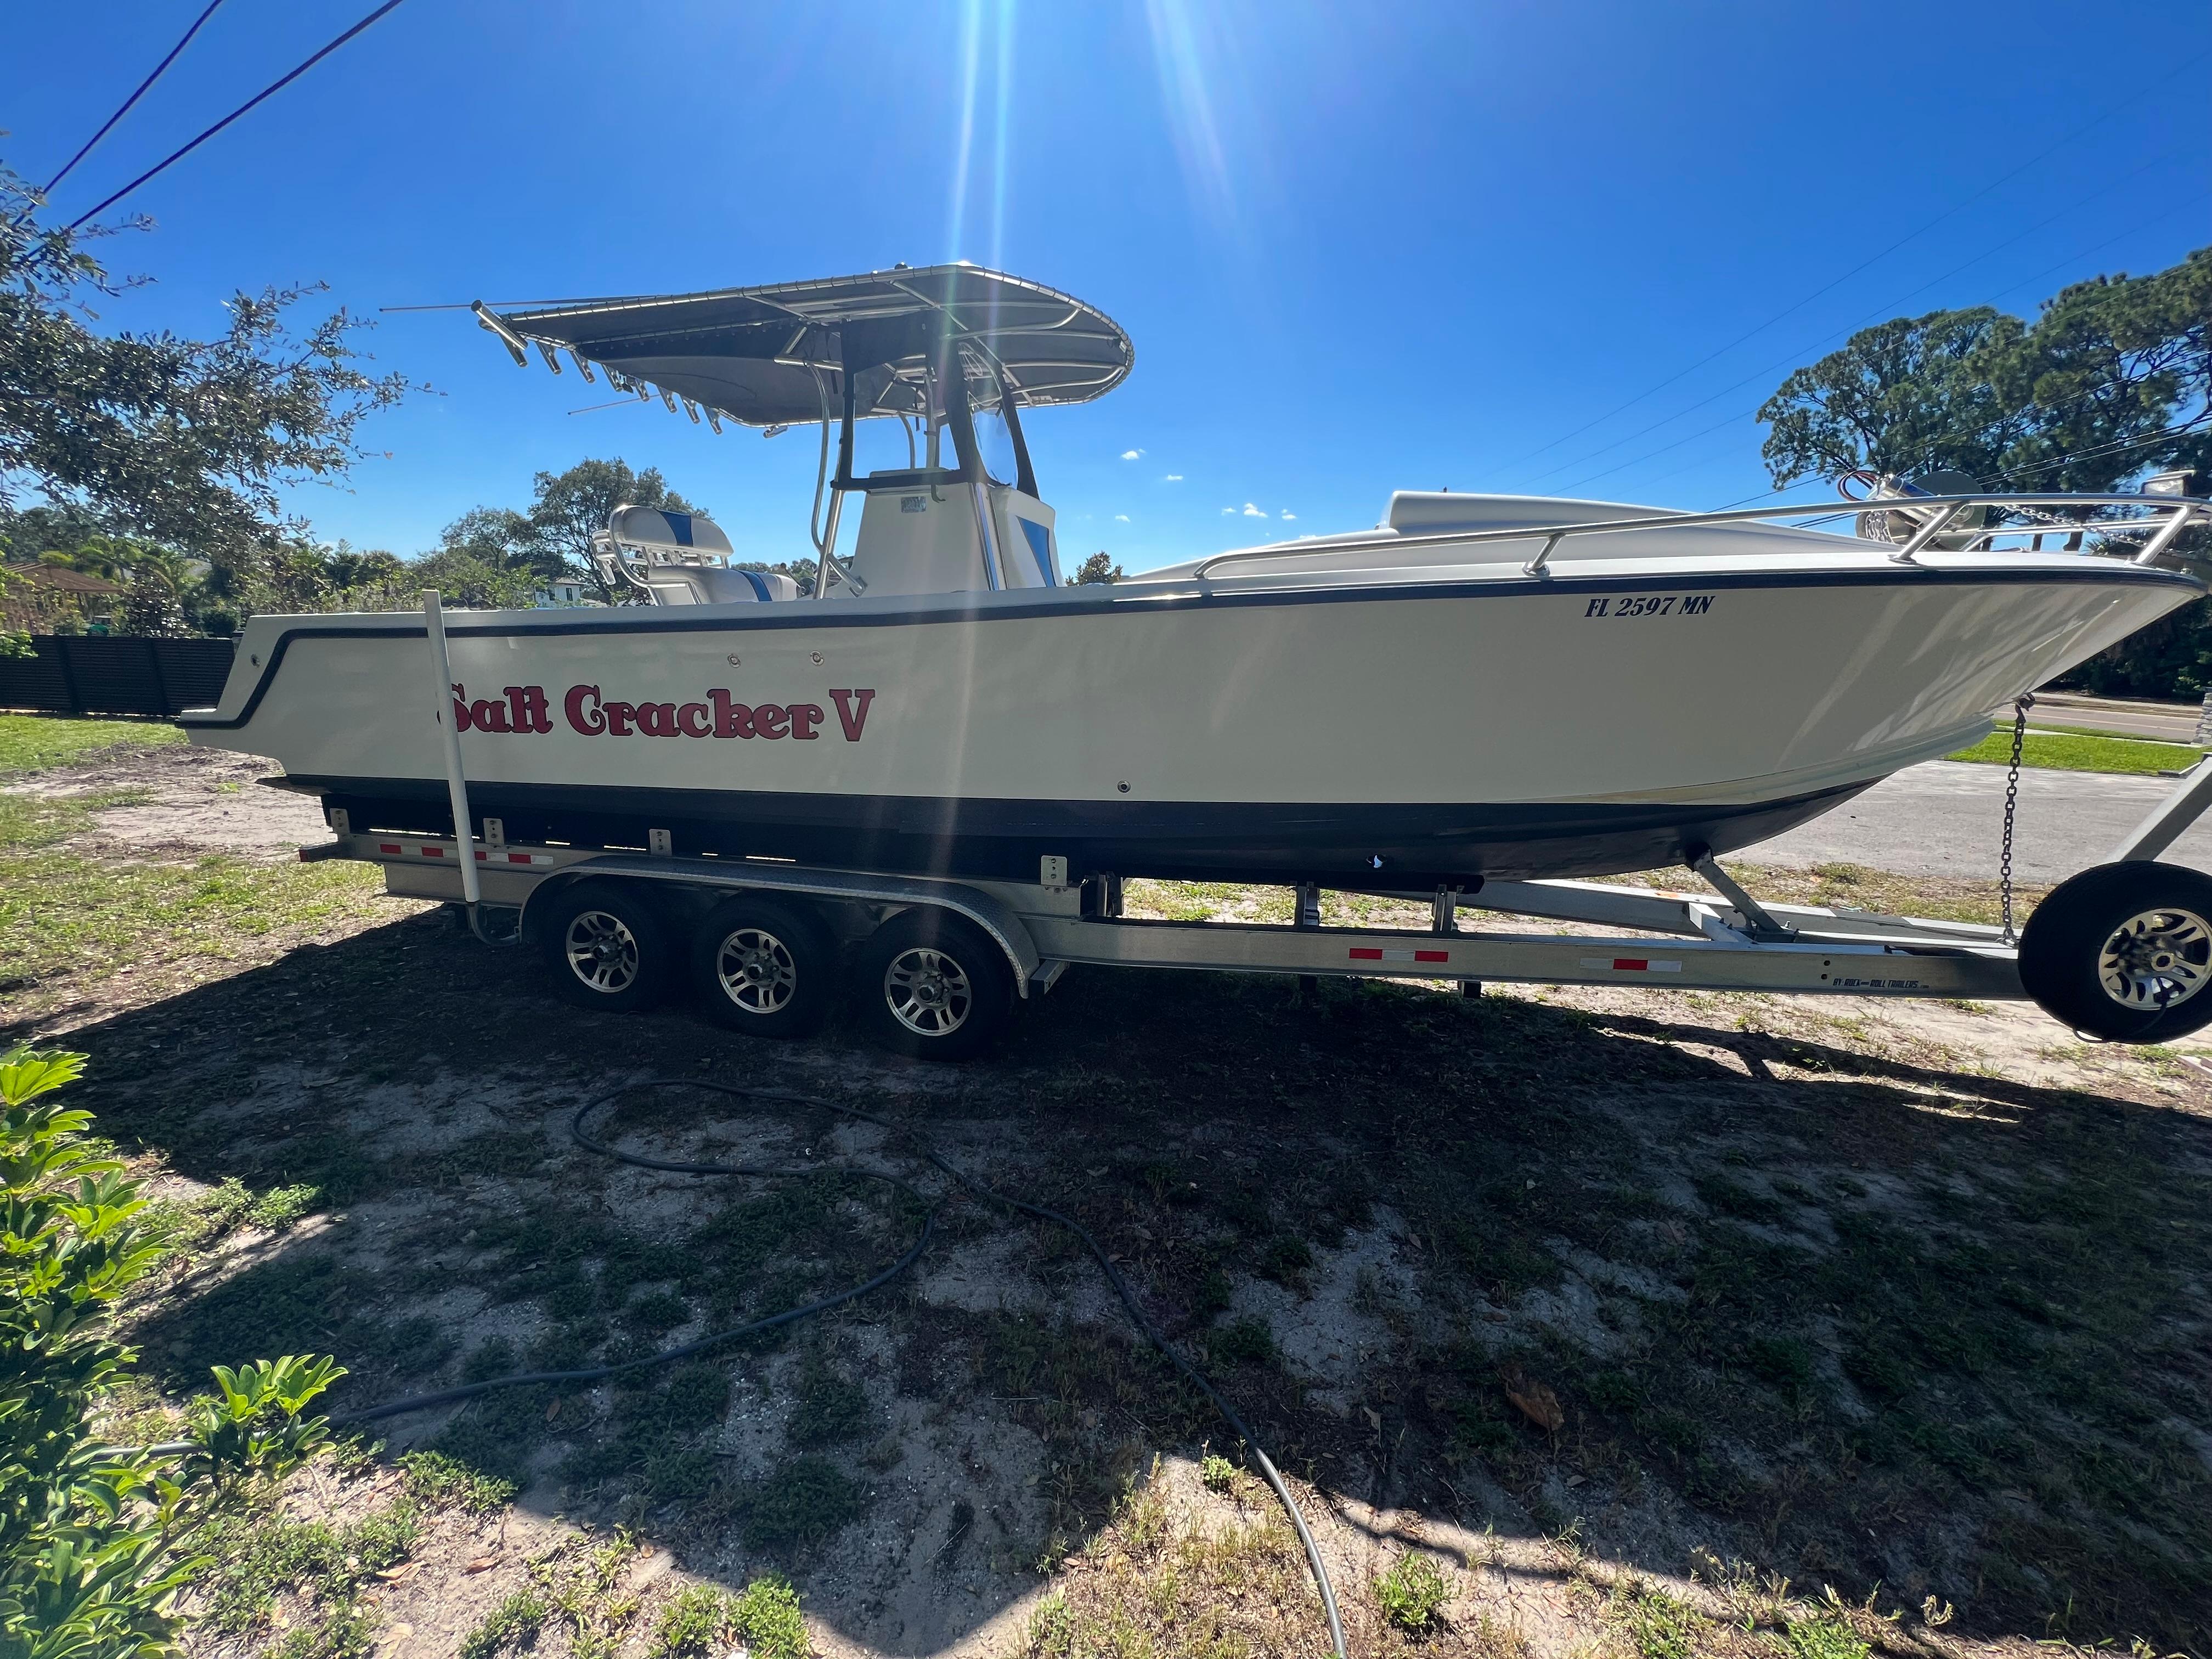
82	918
30	741
2082	752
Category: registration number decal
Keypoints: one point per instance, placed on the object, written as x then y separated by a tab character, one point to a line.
1660	604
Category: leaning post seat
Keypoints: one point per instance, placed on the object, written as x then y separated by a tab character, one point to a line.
682	558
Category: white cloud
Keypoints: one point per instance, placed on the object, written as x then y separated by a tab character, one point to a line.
1172	478
1252	512
1290	515
1120	518
1132	454
1227	511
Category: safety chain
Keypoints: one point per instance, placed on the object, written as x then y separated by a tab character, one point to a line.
2012	802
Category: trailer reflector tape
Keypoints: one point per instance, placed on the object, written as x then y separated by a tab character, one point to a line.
1433	956
1369	953
1632	964
434	851
392	847
1360	954
523	857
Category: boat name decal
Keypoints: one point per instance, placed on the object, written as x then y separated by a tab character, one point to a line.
525	708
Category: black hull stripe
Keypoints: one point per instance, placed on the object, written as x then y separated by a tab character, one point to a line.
1418	845
770	618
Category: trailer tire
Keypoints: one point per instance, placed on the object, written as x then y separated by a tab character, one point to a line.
2123	951
606	947
932	986
765	968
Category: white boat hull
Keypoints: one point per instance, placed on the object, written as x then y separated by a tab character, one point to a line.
1397	728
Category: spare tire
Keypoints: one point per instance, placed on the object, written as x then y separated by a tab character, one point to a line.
2123	951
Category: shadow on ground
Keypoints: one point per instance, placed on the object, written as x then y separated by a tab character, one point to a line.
1847	1316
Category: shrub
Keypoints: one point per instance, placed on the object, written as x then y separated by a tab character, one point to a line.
1412	1592
100	1540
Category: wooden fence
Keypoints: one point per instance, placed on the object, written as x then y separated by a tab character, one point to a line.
115	674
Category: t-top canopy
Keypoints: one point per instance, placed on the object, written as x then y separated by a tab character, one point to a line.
776	354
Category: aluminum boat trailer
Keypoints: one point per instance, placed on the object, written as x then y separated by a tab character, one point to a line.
767	946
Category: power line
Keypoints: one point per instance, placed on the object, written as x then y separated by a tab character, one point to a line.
1734	385
1887	306
2132	101
132	99
269	91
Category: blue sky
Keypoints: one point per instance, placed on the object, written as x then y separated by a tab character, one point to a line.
1360	247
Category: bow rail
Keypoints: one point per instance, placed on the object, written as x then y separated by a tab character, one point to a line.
2171	515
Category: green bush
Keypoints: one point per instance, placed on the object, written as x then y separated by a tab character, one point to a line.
1412	1592
97	1543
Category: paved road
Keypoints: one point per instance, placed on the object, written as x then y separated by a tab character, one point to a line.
2168	722
1944	818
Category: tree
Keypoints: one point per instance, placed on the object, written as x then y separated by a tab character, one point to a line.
569	506
1908	396
2111	368
1098	568
2112	379
180	441
502	537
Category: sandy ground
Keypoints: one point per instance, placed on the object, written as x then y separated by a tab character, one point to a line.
464	1108
193	801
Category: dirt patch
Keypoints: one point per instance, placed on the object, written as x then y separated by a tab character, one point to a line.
190	801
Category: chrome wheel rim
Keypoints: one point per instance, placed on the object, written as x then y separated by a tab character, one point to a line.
602	951
928	993
2156	959
757	971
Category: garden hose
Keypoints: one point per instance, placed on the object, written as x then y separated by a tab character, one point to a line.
1151	1332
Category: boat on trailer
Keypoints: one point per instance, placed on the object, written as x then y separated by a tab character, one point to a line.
1482	687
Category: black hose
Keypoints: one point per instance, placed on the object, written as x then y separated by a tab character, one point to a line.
1121	1288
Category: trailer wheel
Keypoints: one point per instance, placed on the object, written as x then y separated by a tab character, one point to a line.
762	968
932	986
606	947
2123	951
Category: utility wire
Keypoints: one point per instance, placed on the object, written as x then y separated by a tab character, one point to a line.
267	92
1850	328
132	99
1887	306
2134	101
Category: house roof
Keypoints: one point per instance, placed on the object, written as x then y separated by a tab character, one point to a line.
59	578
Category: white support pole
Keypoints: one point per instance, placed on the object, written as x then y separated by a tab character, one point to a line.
457	783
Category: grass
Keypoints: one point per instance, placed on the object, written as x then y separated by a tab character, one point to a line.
260	1557
29	742
82	919
2069	752
510	1627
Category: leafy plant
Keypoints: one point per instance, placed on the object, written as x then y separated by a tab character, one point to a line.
1413	1592
705	1618
1217	1472
96	1542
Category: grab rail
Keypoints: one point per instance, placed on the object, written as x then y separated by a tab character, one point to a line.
2179	510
